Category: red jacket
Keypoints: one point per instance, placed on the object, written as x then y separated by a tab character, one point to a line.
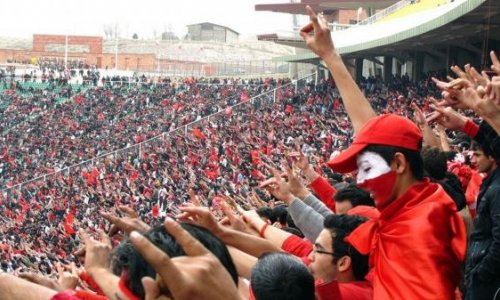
416	246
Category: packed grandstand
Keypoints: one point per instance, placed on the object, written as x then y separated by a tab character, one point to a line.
303	186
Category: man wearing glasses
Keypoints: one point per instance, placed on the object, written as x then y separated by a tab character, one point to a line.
338	268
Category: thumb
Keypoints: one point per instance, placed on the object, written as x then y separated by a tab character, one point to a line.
227	211
151	289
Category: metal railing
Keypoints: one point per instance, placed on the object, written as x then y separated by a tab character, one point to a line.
383	13
184	129
338	27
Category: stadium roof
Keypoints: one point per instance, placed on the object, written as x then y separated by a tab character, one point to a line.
460	23
326	6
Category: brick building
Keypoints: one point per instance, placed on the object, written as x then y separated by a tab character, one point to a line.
89	50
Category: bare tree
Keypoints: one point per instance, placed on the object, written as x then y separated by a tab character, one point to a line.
155	33
108	30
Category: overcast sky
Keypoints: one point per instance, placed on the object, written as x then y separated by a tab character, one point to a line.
23	18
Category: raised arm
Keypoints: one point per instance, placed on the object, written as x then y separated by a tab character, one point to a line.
244	262
12	287
247	243
318	38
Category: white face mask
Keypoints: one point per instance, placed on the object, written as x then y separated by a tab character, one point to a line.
370	165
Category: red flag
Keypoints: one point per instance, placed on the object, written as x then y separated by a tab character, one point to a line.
255	157
79	99
155	211
134	175
70	218
20	218
5	155
197	133
244	96
68	228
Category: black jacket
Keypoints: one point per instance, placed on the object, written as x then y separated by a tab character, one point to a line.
483	253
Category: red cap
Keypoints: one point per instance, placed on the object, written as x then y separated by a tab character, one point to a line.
387	130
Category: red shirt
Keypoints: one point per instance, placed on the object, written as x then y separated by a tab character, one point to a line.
356	290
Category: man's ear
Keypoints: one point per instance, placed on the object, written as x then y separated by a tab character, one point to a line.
344	263
400	163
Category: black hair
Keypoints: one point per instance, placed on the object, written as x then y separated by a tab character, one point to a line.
289	221
475	146
413	157
294	230
126	257
280	276
280	212
434	162
355	195
266	212
452	186
341	226
450	155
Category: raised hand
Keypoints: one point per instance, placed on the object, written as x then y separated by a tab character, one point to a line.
493	90
446	117
317	35
419	116
495	62
297	187
96	252
125	224
252	219
300	160
67	280
198	275
194	199
481	104
278	187
200	216
235	222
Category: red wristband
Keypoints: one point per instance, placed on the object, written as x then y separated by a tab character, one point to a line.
470	128
263	230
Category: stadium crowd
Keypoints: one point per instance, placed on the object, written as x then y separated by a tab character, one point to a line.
265	180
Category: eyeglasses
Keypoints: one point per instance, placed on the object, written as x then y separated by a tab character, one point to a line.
336	255
316	251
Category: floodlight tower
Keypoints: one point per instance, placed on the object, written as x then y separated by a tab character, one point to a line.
66	52
295	21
